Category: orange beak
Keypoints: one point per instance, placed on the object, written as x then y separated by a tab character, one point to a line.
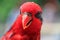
26	20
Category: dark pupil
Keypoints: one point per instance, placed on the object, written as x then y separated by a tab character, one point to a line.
38	15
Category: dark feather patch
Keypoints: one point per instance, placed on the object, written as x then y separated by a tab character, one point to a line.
38	15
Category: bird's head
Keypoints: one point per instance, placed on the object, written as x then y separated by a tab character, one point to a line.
31	14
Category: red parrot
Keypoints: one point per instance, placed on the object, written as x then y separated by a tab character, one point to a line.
27	25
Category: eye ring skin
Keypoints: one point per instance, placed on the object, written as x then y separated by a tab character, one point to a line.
38	15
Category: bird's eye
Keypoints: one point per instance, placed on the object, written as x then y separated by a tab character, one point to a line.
38	15
29	14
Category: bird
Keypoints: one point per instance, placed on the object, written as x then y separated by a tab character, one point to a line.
27	25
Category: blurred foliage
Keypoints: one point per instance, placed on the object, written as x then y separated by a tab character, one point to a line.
40	2
59	1
5	7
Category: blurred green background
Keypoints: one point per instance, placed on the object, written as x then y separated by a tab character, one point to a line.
9	10
5	7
